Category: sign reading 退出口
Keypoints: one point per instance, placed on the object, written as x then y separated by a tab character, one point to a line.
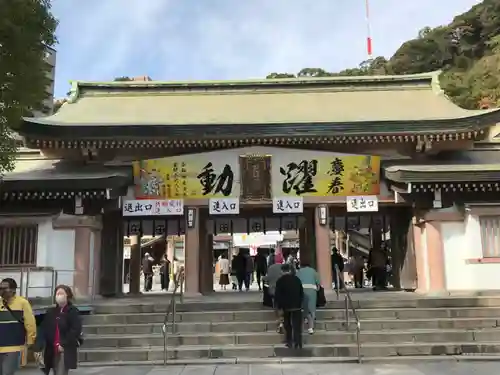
153	207
367	203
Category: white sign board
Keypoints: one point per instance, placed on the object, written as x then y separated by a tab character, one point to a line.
288	205
153	207
126	252
257	239
224	206
365	203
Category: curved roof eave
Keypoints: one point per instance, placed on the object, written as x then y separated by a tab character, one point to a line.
44	128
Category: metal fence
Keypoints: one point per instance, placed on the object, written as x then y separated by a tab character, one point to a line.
40	282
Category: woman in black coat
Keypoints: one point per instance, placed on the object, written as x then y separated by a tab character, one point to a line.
61	333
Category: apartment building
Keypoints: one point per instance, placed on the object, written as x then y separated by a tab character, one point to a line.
50	59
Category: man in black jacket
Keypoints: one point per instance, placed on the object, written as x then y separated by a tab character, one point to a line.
338	261
288	297
260	267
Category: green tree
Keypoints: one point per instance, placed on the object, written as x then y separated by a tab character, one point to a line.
123	79
280	75
314	72
467	51
27	29
58	104
424	32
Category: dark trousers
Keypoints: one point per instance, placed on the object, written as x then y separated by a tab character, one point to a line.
292	321
341	282
165	281
260	274
358	278
379	277
148	282
243	278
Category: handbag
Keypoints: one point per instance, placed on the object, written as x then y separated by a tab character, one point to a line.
267	299
80	340
320	297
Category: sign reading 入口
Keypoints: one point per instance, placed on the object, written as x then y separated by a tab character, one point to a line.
224	206
288	205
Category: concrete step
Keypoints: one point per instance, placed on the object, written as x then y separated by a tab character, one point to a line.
161	304
272	338
158	304
156	353
268	315
270	326
298	359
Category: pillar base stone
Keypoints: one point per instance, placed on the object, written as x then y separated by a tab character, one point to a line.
192	294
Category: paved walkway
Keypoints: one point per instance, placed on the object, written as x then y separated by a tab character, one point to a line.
433	368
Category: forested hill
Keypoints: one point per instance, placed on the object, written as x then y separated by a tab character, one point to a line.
467	50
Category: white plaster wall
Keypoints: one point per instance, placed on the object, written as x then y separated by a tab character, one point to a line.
462	241
56	251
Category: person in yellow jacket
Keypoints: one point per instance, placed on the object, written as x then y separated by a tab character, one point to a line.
17	327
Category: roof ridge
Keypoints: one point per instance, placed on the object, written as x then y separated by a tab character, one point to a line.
431	79
430	76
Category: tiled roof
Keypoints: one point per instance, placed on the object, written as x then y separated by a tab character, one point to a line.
338	99
468	166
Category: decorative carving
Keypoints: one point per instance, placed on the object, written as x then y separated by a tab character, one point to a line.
255	177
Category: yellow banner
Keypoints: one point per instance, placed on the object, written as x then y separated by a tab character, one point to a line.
181	177
328	176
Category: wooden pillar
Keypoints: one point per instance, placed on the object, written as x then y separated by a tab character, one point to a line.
81	280
310	214
404	264
111	264
435	257
307	238
210	262
205	255
376	234
192	253
304	255
322	251
135	265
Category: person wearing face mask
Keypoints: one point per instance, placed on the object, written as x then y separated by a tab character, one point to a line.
17	327
61	334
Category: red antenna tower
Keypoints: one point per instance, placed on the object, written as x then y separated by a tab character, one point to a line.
369	46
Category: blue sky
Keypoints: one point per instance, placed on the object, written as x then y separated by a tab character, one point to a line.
230	39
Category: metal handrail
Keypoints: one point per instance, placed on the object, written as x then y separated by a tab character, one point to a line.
349	303
172	308
25	277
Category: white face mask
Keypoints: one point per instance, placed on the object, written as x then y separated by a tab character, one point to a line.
61	299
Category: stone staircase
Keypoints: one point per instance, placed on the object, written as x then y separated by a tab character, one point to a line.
230	332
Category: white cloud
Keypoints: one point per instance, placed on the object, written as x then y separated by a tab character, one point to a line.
208	39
